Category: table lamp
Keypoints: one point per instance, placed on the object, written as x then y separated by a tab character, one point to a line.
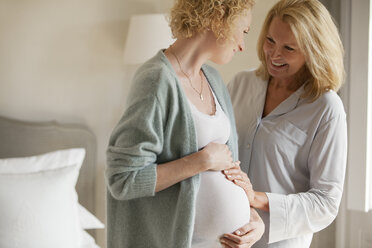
146	36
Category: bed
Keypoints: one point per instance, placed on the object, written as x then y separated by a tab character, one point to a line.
22	139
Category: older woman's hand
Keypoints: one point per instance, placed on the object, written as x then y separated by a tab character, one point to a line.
240	178
258	200
247	235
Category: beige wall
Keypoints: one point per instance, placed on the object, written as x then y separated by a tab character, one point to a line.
62	60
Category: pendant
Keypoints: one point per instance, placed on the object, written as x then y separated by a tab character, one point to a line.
201	97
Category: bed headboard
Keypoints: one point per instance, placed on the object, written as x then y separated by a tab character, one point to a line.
21	138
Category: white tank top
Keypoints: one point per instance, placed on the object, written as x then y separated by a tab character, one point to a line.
221	206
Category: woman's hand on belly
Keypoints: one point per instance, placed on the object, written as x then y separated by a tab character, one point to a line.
247	235
256	199
240	178
217	157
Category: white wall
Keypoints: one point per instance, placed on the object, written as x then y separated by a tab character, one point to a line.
62	60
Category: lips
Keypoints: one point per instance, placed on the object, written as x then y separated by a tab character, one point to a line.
276	67
278	64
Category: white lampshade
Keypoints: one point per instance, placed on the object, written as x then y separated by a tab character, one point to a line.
146	36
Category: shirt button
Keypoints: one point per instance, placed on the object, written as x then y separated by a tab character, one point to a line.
248	146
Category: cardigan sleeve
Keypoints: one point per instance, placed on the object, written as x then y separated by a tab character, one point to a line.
308	212
133	148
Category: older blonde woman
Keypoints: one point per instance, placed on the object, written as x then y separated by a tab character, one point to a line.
292	125
166	154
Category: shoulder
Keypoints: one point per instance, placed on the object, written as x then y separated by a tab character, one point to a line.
154	78
154	73
245	75
245	81
331	105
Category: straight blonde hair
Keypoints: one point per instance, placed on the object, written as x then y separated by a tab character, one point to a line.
318	39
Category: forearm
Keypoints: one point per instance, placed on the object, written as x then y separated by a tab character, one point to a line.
213	156
175	171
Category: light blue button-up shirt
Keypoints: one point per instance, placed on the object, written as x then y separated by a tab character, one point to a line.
296	154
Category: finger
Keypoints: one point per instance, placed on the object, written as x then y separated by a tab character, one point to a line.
239	244
225	245
251	237
231	165
229	243
236	170
244	229
237	164
233	177
240	183
228	237
245	238
232	170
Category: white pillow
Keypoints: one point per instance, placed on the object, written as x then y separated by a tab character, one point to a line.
88	241
88	220
38	201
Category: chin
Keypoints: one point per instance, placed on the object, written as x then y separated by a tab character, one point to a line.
222	61
222	58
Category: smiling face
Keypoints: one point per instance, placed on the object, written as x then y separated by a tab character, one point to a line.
283	56
224	52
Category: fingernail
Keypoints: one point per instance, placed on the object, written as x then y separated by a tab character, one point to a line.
238	232
228	176
226	171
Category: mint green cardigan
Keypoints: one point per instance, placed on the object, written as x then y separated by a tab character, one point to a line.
157	127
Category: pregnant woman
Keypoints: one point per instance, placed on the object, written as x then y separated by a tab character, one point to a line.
166	154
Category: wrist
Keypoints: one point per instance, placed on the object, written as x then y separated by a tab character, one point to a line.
199	161
260	201
254	200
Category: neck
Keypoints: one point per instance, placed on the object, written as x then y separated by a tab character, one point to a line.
191	53
283	84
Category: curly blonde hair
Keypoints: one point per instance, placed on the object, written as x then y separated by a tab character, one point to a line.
189	17
318	39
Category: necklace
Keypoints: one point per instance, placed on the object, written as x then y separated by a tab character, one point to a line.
188	77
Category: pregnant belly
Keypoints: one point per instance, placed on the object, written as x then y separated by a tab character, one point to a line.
221	207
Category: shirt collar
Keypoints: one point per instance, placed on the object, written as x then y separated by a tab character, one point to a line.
288	104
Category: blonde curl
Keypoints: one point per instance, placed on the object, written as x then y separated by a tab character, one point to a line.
190	17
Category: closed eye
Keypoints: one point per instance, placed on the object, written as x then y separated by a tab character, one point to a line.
289	48
270	39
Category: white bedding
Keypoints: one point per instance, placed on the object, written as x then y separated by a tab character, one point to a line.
39	203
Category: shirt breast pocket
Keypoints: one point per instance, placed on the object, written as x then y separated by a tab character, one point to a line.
288	140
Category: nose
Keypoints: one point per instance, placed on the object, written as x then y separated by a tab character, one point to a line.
241	46
276	53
